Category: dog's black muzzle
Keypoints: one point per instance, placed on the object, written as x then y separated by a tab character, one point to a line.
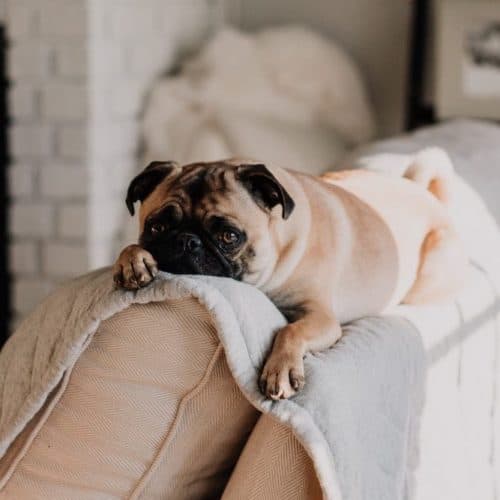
185	252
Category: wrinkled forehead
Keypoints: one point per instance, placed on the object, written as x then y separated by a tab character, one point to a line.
201	189
199	180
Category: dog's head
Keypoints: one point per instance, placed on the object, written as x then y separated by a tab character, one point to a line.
211	218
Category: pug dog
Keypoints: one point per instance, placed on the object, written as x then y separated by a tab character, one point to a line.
325	250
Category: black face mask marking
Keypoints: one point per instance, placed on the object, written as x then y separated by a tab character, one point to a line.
186	247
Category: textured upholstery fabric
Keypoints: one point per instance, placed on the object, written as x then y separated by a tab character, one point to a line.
273	466
206	442
149	404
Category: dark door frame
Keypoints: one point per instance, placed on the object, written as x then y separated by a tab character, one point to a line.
5	281
418	113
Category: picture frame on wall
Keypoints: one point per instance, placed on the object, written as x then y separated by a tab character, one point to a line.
467	59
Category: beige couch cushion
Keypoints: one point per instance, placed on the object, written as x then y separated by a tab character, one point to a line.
273	466
149	411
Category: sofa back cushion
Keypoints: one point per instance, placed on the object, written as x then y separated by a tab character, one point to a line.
149	411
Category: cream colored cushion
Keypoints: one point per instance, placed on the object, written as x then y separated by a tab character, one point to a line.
273	466
149	411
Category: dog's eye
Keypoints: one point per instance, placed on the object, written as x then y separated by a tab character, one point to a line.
228	237
157	228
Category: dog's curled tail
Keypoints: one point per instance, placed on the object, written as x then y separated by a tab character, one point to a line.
432	168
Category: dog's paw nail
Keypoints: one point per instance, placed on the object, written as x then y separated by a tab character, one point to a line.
272	393
130	284
297	382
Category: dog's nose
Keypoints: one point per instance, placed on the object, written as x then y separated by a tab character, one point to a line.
188	242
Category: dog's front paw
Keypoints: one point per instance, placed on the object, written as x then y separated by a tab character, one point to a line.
283	374
134	268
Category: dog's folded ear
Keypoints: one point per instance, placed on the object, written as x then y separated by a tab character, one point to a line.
144	183
266	190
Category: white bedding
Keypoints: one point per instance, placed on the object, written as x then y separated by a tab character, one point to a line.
460	426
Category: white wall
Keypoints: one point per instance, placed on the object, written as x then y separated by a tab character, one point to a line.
79	72
375	33
130	43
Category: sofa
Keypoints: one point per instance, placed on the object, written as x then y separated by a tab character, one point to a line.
151	402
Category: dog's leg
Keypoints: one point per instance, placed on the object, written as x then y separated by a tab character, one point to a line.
283	373
442	268
134	268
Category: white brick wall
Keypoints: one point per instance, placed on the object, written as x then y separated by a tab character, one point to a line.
29	60
24	258
23	102
72	221
22	20
63	18
64	101
80	70
31	140
32	219
64	182
71	61
64	259
71	142
21	181
48	177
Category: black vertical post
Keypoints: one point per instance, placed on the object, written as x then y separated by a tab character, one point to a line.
416	112
4	197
